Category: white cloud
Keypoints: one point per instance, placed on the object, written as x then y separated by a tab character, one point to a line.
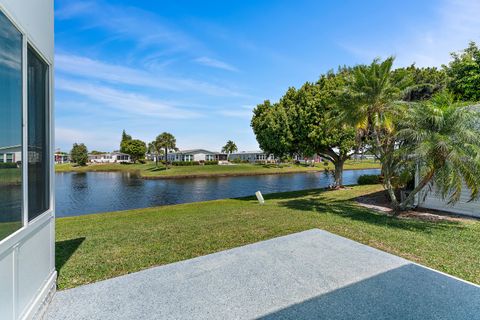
95	69
238	112
209	62
124	101
455	24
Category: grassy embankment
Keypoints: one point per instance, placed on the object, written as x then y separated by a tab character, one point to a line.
100	246
149	170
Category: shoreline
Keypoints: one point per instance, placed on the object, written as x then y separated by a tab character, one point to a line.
208	175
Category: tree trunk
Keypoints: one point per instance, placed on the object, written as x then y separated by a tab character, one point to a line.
166	158
339	173
404	204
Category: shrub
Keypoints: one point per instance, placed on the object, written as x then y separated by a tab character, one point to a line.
239	161
368	179
8	165
184	163
210	162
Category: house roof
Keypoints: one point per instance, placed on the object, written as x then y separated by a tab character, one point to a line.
194	151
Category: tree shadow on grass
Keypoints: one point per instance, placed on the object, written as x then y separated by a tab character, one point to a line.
65	249
156	169
348	209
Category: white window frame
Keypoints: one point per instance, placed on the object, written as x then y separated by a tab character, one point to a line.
40	219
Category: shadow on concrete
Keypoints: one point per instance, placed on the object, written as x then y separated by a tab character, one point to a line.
407	292
65	249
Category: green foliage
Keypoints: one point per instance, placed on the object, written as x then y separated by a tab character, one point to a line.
97	152
441	138
135	148
8	165
125	137
167	142
270	124
210	162
368	179
79	154
185	163
419	83
464	74
229	147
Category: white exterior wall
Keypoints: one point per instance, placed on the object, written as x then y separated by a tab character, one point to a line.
434	201
27	257
199	157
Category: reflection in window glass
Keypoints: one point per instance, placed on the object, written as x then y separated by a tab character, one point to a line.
10	128
38	145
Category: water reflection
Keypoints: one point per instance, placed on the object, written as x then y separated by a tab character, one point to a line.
92	192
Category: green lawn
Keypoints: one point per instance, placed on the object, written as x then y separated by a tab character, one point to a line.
95	247
149	170
10	176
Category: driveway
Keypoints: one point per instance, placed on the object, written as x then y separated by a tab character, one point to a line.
307	275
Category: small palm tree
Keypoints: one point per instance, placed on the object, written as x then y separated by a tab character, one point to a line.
167	142
229	148
155	149
442	138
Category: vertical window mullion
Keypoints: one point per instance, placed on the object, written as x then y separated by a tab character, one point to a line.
25	128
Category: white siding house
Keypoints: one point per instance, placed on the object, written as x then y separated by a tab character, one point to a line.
430	199
111	157
27	227
12	154
252	156
199	155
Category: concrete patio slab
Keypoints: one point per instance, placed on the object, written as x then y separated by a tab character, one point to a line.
308	275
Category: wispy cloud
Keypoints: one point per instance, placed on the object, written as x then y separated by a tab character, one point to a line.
94	69
124	101
209	62
237	112
456	24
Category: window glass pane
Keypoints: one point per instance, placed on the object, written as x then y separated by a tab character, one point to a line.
10	128
38	144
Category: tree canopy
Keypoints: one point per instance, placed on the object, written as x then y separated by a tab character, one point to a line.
464	73
79	154
135	148
230	147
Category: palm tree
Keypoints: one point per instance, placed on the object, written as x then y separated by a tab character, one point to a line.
441	138
370	104
156	149
229	148
166	141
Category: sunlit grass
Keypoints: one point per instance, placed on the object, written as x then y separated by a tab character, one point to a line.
100	246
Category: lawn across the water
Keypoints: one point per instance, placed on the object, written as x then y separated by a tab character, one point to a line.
100	246
150	170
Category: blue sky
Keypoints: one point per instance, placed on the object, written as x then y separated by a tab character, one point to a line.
197	68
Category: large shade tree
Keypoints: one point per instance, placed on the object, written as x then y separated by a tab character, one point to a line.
464	73
270	124
322	130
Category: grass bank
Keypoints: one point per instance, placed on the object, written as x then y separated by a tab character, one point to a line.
95	247
150	171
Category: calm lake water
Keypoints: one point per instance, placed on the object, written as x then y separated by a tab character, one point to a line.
93	192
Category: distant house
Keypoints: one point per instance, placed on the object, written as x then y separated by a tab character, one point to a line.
12	154
200	155
110	157
61	157
252	156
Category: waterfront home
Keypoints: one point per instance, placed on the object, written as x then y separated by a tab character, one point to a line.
27	228
200	155
252	156
61	157
11	154
109	157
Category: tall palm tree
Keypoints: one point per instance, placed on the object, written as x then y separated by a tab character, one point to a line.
370	104
229	148
441	138
167	142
